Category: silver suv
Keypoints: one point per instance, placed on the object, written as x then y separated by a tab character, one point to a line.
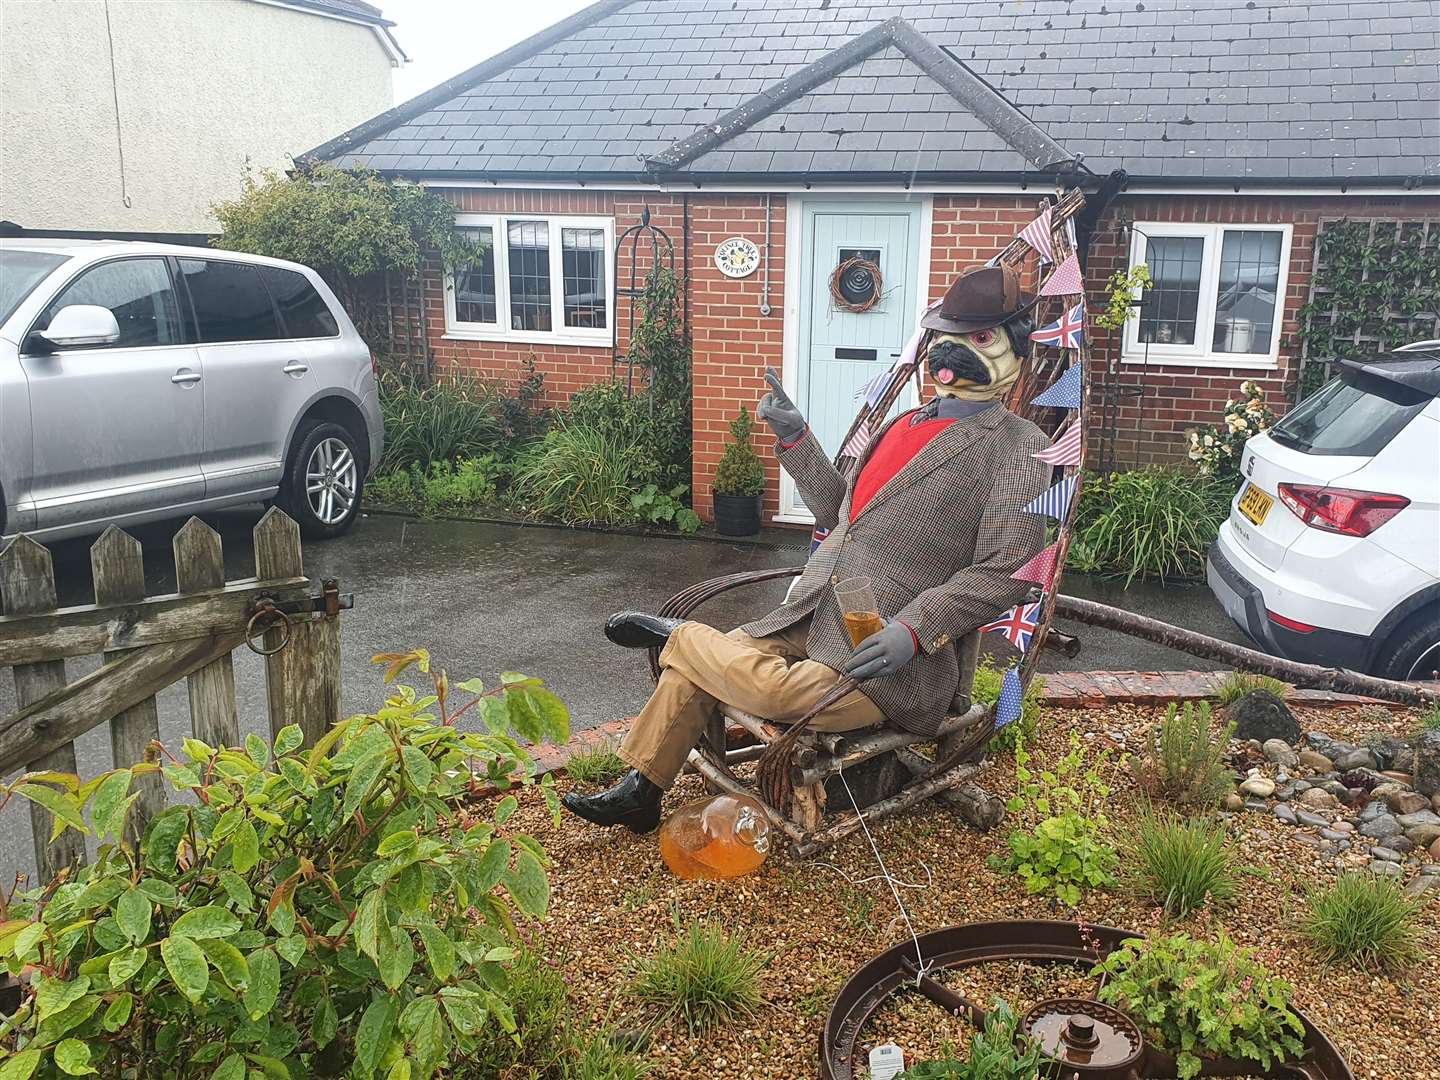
142	381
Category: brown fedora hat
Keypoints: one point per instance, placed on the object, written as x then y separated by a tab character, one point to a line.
979	299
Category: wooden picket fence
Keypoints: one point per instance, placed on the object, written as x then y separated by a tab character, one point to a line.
147	643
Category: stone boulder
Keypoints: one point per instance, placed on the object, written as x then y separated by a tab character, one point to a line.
1261	715
1427	763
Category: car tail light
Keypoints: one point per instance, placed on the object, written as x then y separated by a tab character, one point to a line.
1290	624
1341	510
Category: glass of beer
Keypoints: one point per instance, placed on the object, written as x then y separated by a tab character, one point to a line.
858	608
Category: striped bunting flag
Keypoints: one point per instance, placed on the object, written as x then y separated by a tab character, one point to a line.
1065	281
1018	624
1064	392
1040	569
873	390
1054	502
1007	708
859	441
1037	235
1066	449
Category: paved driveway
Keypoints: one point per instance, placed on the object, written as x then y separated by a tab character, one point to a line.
490	598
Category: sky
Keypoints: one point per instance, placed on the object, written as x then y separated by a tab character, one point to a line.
444	37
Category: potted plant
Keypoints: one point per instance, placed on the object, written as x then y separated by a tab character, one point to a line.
739	482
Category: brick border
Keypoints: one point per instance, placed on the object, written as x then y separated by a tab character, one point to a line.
1063	690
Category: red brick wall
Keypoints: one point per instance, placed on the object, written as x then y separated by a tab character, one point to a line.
1178	397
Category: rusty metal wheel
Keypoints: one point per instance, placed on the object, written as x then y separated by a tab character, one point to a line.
971	944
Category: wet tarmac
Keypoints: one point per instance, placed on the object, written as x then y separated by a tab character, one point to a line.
486	598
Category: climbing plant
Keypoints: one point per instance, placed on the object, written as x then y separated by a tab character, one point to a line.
1376	285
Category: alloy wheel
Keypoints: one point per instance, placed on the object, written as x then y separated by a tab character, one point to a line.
330	481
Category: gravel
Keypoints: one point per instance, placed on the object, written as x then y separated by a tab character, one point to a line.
614	900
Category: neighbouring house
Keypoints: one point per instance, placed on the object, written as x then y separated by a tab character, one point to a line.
122	117
773	140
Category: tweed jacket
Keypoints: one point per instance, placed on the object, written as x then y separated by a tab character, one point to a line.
939	541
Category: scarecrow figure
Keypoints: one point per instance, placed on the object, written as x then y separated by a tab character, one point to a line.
931	513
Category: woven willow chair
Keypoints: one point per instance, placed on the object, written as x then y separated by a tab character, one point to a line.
796	781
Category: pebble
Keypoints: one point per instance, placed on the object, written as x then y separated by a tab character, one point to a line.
1422	884
1315	821
1423	835
1355	758
1286	793
1435	802
1386	869
1260	786
1344	826
1371	812
1278	751
1232	802
1407	802
1285	814
1380	827
1435	850
1317	799
1402	844
1336	788
1424	817
1388	854
1308	840
1399	777
1315	761
1254	804
1335	835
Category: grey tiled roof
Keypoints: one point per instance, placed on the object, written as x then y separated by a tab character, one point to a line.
1223	91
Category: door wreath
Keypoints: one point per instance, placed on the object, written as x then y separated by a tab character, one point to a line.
856	284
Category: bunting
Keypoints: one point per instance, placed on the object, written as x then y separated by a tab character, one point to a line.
1054	502
1037	235
1065	281
1041	569
1018	624
1065	450
1066	332
817	538
1007	708
1064	392
875	389
859	441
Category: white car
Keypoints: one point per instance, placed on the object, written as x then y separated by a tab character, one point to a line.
1331	553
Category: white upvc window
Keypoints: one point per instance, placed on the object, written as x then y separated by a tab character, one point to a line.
542	280
1218	294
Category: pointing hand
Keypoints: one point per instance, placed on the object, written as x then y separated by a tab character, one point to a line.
777	410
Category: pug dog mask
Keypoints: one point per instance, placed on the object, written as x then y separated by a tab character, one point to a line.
981	365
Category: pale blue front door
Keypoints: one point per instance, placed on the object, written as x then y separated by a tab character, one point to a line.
840	350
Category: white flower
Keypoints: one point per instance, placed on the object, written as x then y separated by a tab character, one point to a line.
1237	423
1229	450
1197	454
1229	405
1209	440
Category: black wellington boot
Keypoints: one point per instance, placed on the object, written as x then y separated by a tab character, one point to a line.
634	802
639	630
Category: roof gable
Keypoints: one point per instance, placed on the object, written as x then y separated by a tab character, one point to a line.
880	101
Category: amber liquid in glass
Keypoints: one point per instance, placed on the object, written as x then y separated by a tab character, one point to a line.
861	624
717	858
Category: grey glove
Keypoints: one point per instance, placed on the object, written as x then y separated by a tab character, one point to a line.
882	653
777	410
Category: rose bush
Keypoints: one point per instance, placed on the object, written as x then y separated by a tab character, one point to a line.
1216	451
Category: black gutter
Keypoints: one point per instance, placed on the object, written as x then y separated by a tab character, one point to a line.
536	43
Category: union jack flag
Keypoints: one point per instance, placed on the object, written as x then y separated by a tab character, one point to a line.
1065	332
1018	624
817	538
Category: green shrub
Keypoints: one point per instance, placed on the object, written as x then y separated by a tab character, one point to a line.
740	471
599	1057
1217	451
1184	760
581	476
1430	721
452	419
1364	921
655	507
596	767
1196	999
464	485
312	911
658	346
1180	865
1067	850
1239	683
986	688
707	977
391	489
994	1054
1152	522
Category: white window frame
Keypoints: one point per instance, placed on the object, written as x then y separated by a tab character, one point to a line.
500	330
1200	354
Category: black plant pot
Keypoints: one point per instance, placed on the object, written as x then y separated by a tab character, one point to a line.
737	515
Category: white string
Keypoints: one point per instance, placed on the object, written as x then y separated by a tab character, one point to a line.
922	965
929	877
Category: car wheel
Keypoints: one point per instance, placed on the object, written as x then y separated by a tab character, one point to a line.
1413	651
323	480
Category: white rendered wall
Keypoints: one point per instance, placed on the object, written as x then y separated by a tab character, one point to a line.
206	88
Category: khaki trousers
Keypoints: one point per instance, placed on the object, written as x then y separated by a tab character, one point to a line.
770	677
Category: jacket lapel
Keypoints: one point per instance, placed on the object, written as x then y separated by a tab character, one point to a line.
937	452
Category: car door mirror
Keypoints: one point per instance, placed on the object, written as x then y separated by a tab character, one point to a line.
78	325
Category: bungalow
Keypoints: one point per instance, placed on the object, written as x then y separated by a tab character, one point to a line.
775	141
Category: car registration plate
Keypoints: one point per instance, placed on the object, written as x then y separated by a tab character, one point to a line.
1254	504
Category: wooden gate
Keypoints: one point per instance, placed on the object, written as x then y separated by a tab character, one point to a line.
150	642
